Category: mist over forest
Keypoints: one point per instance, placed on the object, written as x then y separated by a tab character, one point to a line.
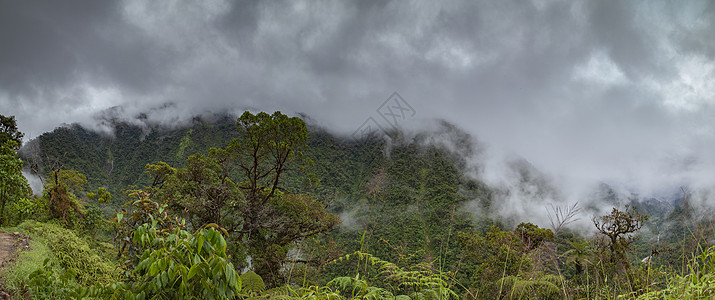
541	149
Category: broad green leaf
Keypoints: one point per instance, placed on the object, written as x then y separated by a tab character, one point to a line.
201	243
192	272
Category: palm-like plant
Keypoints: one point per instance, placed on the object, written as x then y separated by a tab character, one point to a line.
580	255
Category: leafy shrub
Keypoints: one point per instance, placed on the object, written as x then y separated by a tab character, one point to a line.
176	264
141	211
30	208
93	219
49	282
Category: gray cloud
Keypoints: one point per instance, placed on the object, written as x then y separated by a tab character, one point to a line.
586	91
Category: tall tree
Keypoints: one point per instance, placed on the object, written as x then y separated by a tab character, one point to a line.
240	188
269	147
8	131
619	227
62	195
13	184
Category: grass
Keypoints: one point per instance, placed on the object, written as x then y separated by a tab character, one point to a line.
63	250
27	262
15	276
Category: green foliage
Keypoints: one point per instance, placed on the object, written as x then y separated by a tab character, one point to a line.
536	286
357	288
49	283
269	146
418	282
185	142
142	210
252	282
56	264
30	208
619	227
101	196
697	283
506	262
175	264
180	264
93	220
240	188
16	275
203	191
13	185
73	253
62	196
532	236
9	132
117	161
580	255
404	201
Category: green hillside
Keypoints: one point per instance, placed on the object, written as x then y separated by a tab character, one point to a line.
407	220
412	198
118	161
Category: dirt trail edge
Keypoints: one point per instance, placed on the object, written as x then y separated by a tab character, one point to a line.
10	245
7	242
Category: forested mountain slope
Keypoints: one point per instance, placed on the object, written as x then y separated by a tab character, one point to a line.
410	204
409	194
117	161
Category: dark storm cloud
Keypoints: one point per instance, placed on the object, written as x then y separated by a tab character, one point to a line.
54	44
586	91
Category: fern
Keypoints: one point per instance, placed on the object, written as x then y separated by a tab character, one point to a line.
252	282
421	280
540	286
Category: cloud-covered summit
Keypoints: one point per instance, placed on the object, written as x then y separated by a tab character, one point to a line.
584	90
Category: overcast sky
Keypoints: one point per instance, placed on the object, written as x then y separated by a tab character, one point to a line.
621	91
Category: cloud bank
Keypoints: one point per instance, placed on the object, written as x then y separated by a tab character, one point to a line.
585	91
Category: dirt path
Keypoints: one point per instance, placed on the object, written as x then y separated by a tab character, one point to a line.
10	244
7	246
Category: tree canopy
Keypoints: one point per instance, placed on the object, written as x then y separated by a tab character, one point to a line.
240	188
13	185
9	132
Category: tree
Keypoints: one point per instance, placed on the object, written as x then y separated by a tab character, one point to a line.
13	184
580	255
203	191
532	236
62	197
293	218
9	132
240	189
619	227
269	147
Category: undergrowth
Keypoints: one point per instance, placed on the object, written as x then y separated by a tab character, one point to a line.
16	276
57	259
73	253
